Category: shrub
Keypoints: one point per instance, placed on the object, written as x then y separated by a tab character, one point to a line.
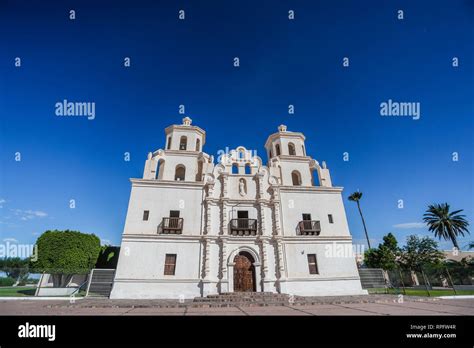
7	281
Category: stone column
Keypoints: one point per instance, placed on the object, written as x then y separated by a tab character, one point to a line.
260	185
264	256
261	205
208	216
205	258
224	220
276	214
224	281
224	176
208	284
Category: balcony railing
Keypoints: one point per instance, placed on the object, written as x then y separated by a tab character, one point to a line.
309	228
243	227
171	225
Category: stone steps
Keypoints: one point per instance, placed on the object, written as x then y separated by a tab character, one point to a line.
242	299
198	302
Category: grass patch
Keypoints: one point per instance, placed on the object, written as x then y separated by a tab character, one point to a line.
17	291
420	292
22	291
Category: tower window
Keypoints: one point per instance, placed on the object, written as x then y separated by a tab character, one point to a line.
296	178
315	177
179	173
161	166
312	264
183	142
303	149
331	220
146	214
247	168
169	143
235	168
291	149
198	145
199	172
277	148
170	264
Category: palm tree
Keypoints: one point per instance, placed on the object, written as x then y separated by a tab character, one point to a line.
471	245
355	197
445	224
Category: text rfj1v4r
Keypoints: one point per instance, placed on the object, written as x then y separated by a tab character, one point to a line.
67	108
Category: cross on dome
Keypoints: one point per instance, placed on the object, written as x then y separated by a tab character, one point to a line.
282	128
187	121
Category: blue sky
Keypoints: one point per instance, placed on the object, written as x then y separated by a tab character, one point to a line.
190	62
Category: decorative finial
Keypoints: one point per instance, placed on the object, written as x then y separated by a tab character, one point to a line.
150	155
187	121
324	165
282	128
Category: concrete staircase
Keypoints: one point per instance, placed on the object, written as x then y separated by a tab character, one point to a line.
100	282
230	299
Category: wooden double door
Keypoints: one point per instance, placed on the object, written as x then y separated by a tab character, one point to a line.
244	273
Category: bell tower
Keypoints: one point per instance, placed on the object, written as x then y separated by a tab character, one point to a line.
287	151
288	160
185	137
182	158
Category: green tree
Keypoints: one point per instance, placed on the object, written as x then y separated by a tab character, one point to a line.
385	256
65	253
419	252
445	224
15	268
471	245
356	197
461	271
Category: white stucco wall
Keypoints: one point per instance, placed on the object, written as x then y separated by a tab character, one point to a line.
319	203
140	269
159	198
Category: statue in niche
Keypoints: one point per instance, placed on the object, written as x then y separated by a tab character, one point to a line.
242	187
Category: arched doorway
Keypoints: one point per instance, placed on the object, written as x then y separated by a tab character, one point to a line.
244	272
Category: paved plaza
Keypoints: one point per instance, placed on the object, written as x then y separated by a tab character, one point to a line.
368	305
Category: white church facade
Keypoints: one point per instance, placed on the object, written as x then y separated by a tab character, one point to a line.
195	227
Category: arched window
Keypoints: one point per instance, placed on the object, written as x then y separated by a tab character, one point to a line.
291	149
183	142
248	169
296	178
235	168
179	173
304	151
199	172
241	155
198	145
315	177
169	143
277	147
271	155
161	167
